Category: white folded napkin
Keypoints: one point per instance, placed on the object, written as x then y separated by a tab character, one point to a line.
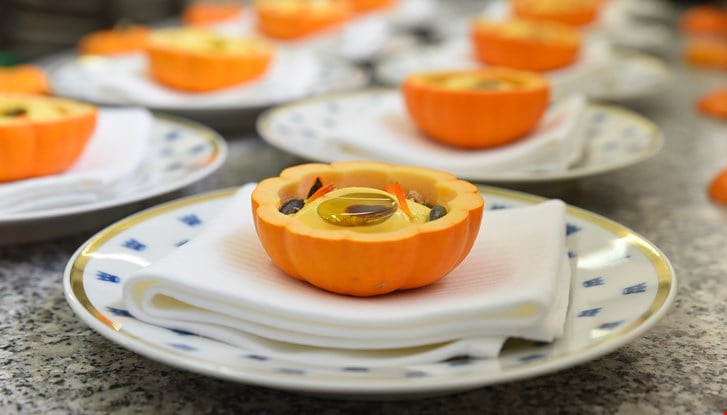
221	284
291	75
117	147
386	132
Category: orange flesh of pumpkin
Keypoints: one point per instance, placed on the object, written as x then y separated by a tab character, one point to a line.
714	103
291	19
196	60
704	20
717	188
46	140
364	264
361	6
707	53
520	44
467	116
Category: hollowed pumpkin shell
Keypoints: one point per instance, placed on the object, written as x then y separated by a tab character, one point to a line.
210	12
28	79
345	261
198	60
291	19
476	109
571	12
119	40
521	44
41	135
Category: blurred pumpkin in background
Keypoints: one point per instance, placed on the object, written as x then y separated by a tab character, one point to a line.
292	19
210	12
523	44
29	79
571	12
121	39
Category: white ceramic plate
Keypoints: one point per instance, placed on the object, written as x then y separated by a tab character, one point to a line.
616	137
602	74
181	152
88	78
623	285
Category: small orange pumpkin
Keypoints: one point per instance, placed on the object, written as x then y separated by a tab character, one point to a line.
291	19
41	135
210	12
198	60
363	6
119	40
365	262
714	103
477	108
522	44
28	79
571	12
717	188
707	53
704	20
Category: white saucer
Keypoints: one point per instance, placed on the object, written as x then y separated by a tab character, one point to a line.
616	137
181	152
622	286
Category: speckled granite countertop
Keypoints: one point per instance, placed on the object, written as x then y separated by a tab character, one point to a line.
52	363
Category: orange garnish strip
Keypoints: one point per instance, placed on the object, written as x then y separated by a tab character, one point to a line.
395	189
320	192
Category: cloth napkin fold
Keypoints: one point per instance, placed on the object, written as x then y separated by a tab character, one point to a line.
221	284
291	75
116	149
385	132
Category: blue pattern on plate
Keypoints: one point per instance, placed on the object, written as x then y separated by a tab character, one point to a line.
105	276
593	282
635	289
134	245
591	312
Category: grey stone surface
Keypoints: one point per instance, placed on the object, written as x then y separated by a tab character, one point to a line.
52	363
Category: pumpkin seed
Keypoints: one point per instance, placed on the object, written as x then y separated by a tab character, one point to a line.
14	112
291	206
437	212
357	209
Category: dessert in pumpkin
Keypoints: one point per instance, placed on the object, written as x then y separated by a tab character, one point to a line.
118	40
292	19
366	228
199	60
41	135
476	108
28	79
523	44
571	12
210	12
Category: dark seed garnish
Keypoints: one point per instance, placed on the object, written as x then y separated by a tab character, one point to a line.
14	112
292	206
317	185
437	212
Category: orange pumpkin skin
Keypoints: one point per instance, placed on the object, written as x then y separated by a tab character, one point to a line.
521	44
120	40
174	64
296	19
476	118
571	12
207	12
28	79
704	21
32	146
365	264
362	6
